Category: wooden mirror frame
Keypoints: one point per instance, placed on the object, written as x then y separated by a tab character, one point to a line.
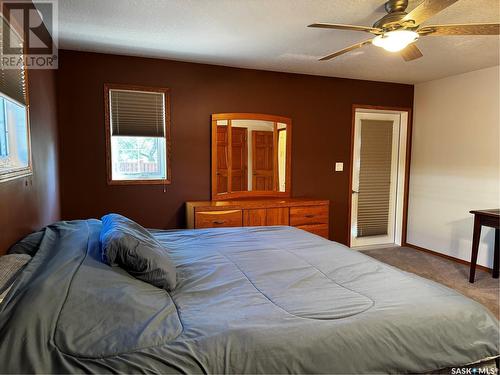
251	194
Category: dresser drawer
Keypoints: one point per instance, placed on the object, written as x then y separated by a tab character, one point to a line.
319	229
214	219
255	212
307	215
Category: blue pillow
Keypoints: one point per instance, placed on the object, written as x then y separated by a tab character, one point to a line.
126	244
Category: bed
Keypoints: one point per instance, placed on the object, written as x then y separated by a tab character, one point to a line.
247	300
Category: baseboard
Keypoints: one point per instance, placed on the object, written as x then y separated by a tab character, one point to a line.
373	247
449	257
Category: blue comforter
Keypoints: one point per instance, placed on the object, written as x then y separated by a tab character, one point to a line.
248	300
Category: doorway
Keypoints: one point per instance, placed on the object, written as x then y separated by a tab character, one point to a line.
378	177
263	160
239	177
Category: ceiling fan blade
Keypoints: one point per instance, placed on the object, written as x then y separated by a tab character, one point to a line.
411	52
345	27
427	9
467	29
345	50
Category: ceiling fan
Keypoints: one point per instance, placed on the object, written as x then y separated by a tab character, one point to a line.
398	30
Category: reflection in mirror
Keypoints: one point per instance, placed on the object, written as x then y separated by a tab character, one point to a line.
222	156
281	157
251	155
259	155
239	165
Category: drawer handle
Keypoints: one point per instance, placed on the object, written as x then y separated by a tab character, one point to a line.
309	216
219	222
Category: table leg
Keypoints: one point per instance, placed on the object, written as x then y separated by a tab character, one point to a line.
475	247
496	254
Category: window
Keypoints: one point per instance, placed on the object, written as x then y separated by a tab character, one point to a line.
137	135
15	154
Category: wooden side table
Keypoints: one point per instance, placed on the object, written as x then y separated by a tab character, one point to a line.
488	218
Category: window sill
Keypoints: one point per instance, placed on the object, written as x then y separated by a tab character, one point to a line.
15	174
139	182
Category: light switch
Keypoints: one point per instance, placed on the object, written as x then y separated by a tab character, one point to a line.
339	167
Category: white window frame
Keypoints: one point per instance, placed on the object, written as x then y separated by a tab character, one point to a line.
8	174
107	103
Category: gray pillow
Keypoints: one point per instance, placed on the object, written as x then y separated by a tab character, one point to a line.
10	267
126	244
29	244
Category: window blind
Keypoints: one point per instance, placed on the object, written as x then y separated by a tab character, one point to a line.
137	113
374	178
12	77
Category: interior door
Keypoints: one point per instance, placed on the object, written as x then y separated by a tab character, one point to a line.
375	178
239	175
222	159
262	160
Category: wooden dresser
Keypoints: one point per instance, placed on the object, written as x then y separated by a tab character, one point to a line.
307	214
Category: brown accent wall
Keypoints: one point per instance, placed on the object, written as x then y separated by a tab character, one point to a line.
320	108
27	204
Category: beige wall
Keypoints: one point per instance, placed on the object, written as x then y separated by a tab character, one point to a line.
455	162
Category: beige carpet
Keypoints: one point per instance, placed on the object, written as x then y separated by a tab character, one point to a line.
485	289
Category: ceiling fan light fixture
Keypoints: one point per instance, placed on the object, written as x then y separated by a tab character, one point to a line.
394	41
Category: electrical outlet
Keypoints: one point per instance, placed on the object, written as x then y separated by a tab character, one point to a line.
339	167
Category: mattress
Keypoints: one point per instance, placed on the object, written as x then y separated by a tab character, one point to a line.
248	300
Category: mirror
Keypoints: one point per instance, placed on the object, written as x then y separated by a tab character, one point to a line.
257	163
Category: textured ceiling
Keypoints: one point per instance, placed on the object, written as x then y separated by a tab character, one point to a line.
272	35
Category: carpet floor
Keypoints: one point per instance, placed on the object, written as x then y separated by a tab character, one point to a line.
485	289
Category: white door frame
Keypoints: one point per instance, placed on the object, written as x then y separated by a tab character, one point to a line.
400	138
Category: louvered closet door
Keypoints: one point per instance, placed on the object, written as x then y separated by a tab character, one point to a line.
375	170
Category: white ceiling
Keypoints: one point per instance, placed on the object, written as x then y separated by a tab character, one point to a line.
272	35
